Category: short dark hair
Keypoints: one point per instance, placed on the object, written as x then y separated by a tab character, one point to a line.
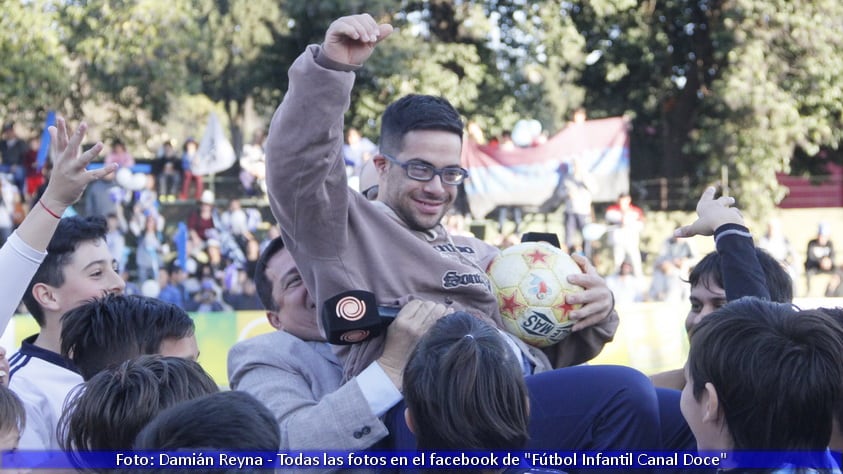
227	421
107	331
108	411
70	232
464	388
779	283
263	286
12	414
777	372
417	112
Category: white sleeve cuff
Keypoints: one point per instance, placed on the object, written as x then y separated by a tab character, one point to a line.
24	250
739	232
378	389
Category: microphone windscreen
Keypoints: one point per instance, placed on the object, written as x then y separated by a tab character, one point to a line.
351	317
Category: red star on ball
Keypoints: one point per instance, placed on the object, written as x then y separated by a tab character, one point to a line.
509	305
565	307
537	256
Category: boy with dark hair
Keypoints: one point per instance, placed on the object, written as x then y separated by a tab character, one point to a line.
78	267
464	389
53	287
239	423
736	269
764	376
709	274
111	408
116	328
26	247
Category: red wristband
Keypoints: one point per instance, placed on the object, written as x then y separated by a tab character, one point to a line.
48	210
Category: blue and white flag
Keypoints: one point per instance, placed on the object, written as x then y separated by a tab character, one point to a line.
529	176
44	151
215	153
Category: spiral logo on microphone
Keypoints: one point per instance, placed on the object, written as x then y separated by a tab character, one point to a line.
353	337
351	308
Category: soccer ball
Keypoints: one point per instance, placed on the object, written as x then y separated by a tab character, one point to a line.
530	283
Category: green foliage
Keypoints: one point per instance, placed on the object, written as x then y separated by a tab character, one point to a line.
134	53
35	63
741	83
779	91
746	84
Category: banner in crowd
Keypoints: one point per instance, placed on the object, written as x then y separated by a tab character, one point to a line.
44	148
215	153
528	177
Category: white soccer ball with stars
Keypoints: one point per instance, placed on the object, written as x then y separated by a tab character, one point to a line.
530	282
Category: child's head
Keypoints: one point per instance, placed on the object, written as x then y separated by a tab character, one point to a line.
763	376
107	331
12	419
78	267
229	421
110	409
708	294
464	388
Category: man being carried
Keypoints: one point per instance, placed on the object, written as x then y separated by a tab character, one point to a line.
396	246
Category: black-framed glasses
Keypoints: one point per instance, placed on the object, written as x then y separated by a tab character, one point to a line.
421	171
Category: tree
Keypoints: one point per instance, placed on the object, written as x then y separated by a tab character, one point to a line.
745	84
440	48
33	78
741	83
231	65
131	55
780	92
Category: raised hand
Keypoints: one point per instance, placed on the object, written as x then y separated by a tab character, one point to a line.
351	39
712	214
70	177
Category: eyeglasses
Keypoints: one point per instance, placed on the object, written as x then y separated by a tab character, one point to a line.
420	171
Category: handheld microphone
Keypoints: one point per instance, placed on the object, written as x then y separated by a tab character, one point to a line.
354	316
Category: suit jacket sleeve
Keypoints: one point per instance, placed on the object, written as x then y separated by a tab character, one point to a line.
303	391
